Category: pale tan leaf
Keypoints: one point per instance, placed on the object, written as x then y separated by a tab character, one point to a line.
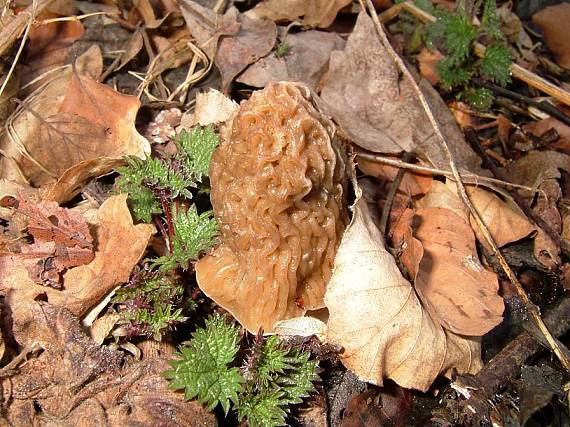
211	107
378	319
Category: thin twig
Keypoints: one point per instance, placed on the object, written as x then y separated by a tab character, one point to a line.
545	106
470	178
392	193
532	309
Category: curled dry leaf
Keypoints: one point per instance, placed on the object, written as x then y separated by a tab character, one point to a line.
553	22
306	60
451	282
315	13
254	40
364	92
378	319
86	285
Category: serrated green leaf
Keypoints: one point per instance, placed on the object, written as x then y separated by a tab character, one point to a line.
202	366
198	146
263	410
496	64
193	234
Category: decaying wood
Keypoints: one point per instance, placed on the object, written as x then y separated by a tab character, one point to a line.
479	389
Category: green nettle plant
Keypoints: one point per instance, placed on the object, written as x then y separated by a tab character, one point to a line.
161	190
454	33
272	376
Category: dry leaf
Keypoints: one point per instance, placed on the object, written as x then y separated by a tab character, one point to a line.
254	40
114	260
365	94
553	21
428	60
451	282
86	285
93	122
28	138
316	13
212	107
377	318
207	26
306	60
76	382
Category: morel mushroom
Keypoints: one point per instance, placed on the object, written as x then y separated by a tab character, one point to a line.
279	194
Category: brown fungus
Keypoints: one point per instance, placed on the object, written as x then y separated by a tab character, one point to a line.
279	194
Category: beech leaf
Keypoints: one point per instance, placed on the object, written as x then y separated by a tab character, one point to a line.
451	282
378	319
365	93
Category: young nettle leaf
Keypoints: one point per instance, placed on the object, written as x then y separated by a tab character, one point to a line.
490	21
496	64
263	410
273	376
197	148
193	234
459	34
454	33
203	368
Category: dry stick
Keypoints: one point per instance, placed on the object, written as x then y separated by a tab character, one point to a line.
426	170
516	70
530	307
545	106
471	137
479	389
392	193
